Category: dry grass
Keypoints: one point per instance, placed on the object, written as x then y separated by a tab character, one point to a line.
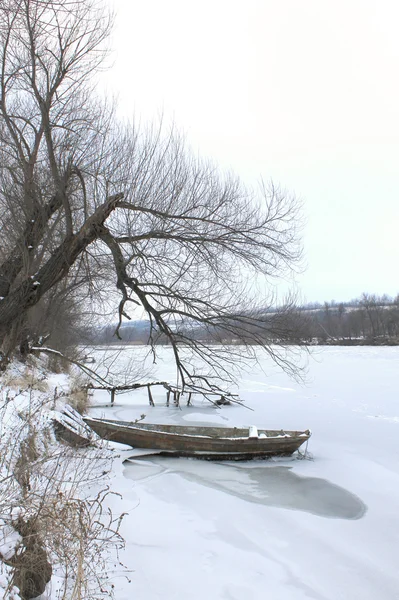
78	396
25	380
57	364
62	525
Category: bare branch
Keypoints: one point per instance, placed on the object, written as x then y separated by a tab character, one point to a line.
88	204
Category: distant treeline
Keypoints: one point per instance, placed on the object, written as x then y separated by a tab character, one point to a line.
134	332
369	319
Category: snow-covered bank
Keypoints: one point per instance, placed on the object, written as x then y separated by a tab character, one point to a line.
55	532
322	529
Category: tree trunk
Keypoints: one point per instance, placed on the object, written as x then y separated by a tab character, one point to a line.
29	292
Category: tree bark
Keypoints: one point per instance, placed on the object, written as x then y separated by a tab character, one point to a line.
29	292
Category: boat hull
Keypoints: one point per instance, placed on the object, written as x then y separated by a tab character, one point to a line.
211	443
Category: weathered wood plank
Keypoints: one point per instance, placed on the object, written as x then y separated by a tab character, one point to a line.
209	441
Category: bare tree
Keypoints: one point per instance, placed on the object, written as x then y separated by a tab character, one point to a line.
90	202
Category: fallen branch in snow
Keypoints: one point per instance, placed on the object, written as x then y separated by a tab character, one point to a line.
221	399
113	389
217	398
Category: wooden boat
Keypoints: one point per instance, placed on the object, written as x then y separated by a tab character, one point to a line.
69	427
217	443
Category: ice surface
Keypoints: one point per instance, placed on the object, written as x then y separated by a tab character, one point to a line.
326	529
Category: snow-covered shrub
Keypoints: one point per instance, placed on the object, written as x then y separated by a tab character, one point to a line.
54	526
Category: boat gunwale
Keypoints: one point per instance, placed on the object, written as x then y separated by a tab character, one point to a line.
141	428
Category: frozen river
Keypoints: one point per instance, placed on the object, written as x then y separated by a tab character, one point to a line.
322	529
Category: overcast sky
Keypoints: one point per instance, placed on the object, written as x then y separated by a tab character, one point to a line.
305	92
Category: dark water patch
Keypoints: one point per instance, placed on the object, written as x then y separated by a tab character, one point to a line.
278	486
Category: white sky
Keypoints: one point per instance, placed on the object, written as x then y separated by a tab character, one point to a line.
305	92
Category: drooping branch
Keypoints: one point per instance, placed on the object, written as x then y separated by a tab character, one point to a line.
184	242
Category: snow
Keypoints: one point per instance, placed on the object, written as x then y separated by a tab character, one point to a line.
253	431
326	529
59	477
8	594
9	540
323	529
44	349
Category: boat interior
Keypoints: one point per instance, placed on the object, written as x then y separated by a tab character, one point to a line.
208	431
